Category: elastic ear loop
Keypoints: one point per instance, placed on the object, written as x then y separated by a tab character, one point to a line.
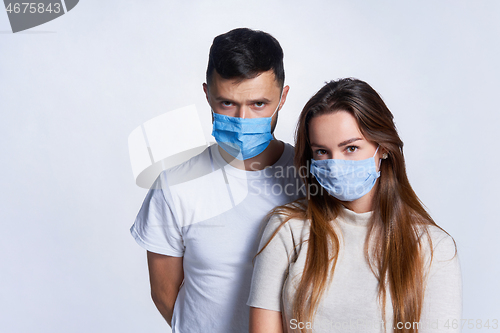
379	160
281	96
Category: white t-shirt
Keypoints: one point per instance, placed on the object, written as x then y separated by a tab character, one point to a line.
212	214
350	303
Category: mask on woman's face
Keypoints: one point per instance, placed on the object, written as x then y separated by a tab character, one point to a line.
346	180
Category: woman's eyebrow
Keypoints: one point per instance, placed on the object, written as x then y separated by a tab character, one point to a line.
316	145
346	142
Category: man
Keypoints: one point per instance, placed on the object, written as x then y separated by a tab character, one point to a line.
202	220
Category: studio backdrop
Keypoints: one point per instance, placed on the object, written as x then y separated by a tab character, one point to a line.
82	89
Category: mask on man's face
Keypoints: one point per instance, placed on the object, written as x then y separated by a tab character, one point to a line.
243	138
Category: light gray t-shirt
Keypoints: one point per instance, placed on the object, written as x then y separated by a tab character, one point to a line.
351	304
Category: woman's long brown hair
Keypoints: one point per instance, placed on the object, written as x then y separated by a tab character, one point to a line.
399	220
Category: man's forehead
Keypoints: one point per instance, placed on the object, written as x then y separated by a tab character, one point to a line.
265	80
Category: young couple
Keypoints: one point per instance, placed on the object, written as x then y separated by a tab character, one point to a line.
345	244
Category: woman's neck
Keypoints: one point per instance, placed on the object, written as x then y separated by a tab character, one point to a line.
363	204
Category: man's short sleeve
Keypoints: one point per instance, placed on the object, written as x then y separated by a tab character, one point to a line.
156	228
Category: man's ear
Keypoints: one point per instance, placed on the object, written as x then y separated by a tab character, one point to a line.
283	96
205	89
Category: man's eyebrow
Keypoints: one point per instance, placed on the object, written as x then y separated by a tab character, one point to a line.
252	101
346	142
260	100
222	98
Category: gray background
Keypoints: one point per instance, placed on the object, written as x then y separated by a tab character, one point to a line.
73	89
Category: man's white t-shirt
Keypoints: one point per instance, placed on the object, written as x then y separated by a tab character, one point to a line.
212	214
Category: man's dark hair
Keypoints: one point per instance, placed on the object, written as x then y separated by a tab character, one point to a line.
244	53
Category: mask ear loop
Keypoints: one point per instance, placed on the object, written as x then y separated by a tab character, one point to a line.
379	160
281	96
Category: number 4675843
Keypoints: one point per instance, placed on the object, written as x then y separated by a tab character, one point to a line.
33	7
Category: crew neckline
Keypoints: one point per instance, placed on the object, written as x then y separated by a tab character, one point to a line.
357	219
264	173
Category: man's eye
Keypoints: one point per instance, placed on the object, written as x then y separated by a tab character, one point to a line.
260	104
227	104
351	149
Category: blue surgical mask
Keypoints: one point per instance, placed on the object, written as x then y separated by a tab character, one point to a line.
242	138
346	180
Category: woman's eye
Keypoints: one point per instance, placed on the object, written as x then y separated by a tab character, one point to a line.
320	152
351	149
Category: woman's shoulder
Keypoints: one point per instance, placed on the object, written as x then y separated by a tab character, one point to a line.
291	214
287	221
438	242
436	233
288	225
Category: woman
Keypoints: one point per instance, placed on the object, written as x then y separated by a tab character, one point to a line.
360	253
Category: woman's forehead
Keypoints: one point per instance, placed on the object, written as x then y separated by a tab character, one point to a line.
333	128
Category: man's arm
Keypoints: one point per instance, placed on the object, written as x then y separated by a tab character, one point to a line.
265	321
165	275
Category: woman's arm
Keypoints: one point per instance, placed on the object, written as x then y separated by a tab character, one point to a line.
442	308
265	321
269	275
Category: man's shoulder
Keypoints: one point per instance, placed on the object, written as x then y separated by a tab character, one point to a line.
285	161
193	190
194	168
288	153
